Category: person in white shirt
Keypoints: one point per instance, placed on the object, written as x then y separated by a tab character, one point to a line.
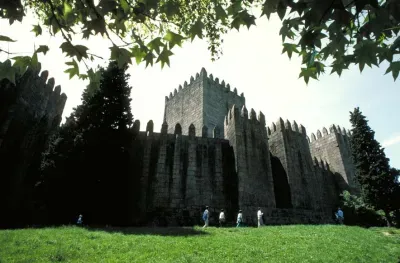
221	218
206	217
259	217
80	220
239	220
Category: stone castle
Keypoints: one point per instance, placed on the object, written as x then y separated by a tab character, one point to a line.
213	151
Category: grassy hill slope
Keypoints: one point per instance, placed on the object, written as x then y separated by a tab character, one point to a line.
299	243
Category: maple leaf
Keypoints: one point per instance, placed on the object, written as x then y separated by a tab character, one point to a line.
394	68
289	48
197	30
173	39
164	57
7	71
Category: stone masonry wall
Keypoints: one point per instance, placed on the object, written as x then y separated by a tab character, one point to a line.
185	106
289	144
218	99
181	174
334	148
248	138
30	112
203	102
329	184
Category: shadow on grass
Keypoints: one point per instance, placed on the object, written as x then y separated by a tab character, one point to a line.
157	231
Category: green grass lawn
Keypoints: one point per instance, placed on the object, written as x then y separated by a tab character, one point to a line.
299	243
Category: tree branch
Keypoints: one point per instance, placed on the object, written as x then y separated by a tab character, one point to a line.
62	32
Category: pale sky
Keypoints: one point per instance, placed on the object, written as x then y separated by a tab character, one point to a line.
252	62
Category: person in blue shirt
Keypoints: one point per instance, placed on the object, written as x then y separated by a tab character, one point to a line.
206	217
339	216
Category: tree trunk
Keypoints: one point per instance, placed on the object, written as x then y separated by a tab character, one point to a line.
388	219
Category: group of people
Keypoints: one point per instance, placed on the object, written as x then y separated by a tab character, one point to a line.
260	221
239	218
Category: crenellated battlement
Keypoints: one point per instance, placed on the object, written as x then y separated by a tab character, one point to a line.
281	126
203	77
177	130
242	115
318	162
333	130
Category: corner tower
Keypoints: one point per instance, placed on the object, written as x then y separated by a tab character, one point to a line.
204	102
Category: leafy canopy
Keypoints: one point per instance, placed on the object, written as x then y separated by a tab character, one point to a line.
338	32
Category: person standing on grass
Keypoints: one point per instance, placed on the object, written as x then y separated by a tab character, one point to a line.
80	220
260	217
206	217
239	220
221	218
339	216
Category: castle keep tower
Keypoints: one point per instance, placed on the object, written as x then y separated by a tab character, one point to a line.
204	102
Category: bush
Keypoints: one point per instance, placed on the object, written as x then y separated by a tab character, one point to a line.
356	212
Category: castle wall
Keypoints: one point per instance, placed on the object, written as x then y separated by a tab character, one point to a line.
181	174
334	148
30	111
288	143
248	138
330	187
203	102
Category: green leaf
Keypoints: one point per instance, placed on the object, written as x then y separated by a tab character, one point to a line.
308	73
281	9
42	49
67	10
97	25
121	55
164	57
74	70
243	18
196	30
338	67
125	6
155	44
34	62
289	48
220	13
170	8
269	7
173	39
149	58
21	63
396	44
139	53
286	32
7	71
37	30
77	51
94	84
366	53
394	68
6	38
